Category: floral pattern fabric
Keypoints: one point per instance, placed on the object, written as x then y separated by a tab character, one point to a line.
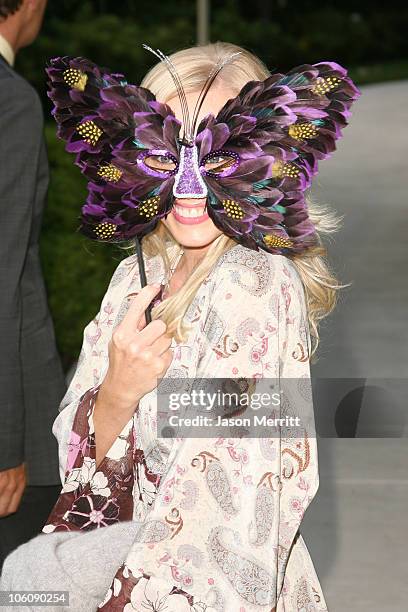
219	516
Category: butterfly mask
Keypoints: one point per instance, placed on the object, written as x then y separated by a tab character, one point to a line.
253	161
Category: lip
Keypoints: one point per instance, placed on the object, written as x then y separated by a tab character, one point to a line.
189	220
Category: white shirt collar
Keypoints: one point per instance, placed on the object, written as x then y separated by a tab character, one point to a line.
6	50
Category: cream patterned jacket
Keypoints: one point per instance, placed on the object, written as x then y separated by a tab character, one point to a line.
219	516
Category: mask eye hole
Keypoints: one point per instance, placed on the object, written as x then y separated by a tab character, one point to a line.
220	163
160	163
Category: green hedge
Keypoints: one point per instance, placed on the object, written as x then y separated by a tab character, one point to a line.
77	270
291	36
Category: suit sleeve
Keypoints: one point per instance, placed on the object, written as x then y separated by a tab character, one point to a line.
227	513
20	141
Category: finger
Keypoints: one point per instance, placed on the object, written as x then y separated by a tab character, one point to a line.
20	485
142	322
152	332
4	499
7	493
137	307
161	345
15	499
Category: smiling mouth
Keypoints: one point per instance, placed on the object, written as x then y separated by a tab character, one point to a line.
190	212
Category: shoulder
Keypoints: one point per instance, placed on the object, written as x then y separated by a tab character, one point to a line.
255	288
127	272
17	92
125	267
255	273
12	82
125	281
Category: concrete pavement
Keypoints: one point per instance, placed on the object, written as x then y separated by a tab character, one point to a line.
356	528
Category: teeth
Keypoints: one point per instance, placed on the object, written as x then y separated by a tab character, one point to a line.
190	212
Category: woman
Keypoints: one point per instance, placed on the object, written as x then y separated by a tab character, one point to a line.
219	515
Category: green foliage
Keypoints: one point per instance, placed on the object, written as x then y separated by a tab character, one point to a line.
77	270
294	35
112	33
108	39
378	73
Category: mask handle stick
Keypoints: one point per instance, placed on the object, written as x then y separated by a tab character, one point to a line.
143	280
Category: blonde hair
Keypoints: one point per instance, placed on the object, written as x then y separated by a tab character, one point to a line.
320	285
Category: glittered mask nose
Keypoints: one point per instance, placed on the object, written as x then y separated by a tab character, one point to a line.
188	181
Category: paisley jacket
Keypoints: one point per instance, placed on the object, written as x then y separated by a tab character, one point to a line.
219	516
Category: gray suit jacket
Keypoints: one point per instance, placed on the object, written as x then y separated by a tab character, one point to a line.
31	377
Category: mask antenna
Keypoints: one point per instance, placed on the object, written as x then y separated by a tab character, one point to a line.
210	79
180	90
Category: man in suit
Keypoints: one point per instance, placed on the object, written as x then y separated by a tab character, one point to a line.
31	377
